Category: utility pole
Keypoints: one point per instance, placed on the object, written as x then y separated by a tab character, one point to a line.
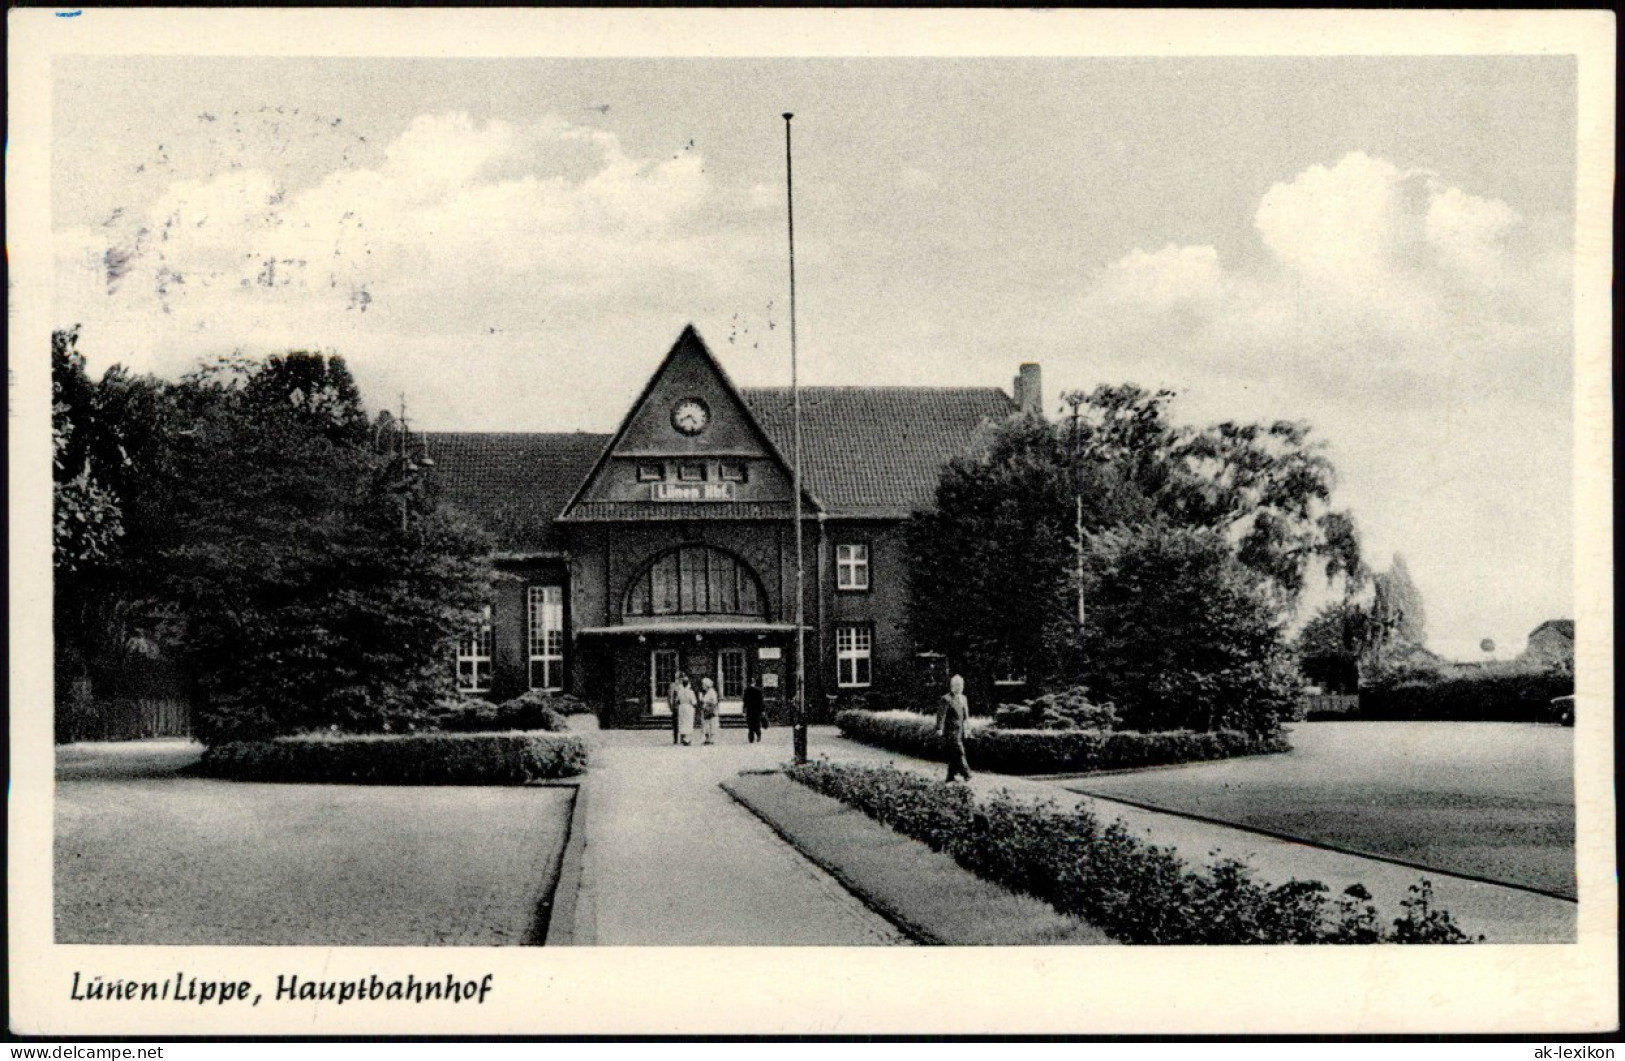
1075	399
798	718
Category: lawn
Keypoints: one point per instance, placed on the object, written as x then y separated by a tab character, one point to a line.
145	856
1489	800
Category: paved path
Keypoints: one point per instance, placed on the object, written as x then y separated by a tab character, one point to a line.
1500	914
672	860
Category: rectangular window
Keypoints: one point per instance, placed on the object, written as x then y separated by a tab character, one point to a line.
851	567
474	656
854	651
731	471
662	672
545	607
651	472
691	472
731	674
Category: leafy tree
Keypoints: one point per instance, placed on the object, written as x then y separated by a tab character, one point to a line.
1396	608
993	577
86	523
304	574
321	581
994	567
1181	634
1266	487
1351	640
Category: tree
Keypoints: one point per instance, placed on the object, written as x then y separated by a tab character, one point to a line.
993	569
992	573
1182	634
86	522
1396	608
304	575
1266	487
1333	642
1350	640
321	582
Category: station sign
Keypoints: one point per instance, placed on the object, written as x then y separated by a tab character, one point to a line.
692	492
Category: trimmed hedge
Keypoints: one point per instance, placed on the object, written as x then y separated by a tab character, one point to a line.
1133	891
1015	751
400	759
1516	696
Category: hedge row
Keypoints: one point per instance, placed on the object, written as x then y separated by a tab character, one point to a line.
1133	891
401	759
1014	751
1505	697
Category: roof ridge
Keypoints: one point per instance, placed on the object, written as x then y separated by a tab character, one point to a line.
523	434
869	389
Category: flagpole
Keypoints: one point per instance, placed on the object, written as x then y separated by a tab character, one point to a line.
798	718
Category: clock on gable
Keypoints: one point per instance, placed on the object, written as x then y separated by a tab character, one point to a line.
690	416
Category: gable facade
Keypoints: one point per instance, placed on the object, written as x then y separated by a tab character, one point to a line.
672	549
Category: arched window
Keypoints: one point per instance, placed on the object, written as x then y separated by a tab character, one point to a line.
695	580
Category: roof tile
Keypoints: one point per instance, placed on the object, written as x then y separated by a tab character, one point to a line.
514	484
876	451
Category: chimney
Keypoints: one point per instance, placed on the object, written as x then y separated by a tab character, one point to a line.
1029	390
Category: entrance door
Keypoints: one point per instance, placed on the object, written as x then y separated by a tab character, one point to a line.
662	672
731	681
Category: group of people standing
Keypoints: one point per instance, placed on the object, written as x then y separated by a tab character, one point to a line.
693	709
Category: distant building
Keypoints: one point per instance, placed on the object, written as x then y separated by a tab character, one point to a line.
1551	642
669	546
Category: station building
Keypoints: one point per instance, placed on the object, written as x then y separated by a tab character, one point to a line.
669	545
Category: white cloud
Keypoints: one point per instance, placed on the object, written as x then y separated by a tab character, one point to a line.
460	226
1423	330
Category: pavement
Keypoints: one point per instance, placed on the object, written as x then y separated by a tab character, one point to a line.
671	859
1499	913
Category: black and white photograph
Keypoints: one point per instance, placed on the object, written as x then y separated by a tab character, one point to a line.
703	522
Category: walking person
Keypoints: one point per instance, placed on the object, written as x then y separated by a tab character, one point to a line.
753	713
685	707
953	711
708	710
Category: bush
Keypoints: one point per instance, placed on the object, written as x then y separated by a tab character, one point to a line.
1065	709
1183	635
534	710
1135	892
404	759
1011	751
565	704
1492	696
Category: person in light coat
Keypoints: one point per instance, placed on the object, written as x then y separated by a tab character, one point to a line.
708	710
683	695
953	711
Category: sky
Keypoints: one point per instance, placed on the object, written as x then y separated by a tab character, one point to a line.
1379	246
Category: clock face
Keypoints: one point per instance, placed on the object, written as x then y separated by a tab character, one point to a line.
690	416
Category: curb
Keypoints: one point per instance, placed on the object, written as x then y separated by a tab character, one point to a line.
562	924
916	933
870	858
